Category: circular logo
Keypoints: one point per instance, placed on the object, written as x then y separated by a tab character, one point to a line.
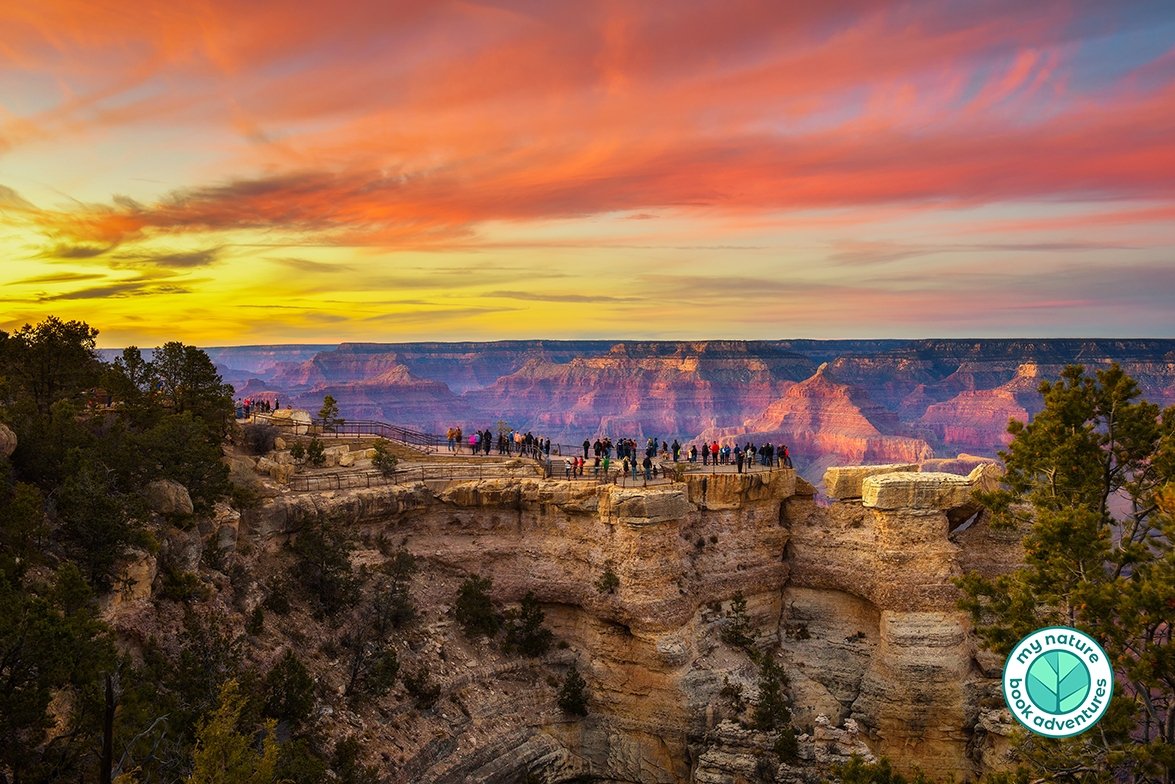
1058	682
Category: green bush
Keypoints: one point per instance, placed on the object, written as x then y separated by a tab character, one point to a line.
323	553
525	633
316	452
609	581
787	745
382	675
289	691
737	631
772	711
474	609
384	461
573	694
259	438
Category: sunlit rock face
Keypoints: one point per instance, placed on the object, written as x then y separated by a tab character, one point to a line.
875	401
824	421
855	599
663	390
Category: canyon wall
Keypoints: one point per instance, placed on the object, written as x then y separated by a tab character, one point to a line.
853	600
831	401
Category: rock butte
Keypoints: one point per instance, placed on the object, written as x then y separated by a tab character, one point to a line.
856	595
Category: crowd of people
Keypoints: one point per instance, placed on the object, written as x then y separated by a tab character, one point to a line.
629	455
250	406
507	443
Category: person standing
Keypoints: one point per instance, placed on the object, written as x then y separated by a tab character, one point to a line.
586	446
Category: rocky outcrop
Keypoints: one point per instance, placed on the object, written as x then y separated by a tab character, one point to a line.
168	497
844	482
7	440
856	596
870	625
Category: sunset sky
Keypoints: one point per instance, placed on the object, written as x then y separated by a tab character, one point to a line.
277	172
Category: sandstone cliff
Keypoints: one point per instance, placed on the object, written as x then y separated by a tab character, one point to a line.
853	600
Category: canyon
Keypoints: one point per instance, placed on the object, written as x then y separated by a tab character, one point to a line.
831	402
852	598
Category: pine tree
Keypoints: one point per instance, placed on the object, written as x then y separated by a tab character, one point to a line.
474	609
226	755
1088	484
525	632
573	694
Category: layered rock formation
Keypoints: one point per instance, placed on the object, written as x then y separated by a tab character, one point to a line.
824	422
954	395
855	600
640	390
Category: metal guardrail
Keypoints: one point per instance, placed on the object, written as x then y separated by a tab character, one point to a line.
423	473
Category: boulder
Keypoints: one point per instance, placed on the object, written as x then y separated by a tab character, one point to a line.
168	497
636	506
297	420
333	453
844	482
347	459
279	443
239	465
133	580
915	491
278	472
986	477
7	440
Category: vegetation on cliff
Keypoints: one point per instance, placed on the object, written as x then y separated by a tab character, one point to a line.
1091	482
77	701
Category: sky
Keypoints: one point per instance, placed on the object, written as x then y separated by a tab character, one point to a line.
227	173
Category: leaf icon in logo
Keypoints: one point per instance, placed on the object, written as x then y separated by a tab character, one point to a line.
1058	682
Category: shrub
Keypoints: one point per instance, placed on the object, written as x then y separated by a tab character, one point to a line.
474	610
323	554
609	581
259	438
256	623
525	633
772	711
787	745
180	585
347	766
738	631
384	461
277	598
394	606
573	694
297	451
316	452
289	691
382	674
425	692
